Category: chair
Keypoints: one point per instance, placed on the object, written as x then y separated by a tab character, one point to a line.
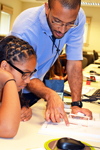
84	62
95	55
90	58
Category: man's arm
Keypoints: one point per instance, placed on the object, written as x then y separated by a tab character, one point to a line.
55	107
75	79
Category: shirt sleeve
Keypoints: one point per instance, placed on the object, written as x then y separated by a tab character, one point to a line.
74	43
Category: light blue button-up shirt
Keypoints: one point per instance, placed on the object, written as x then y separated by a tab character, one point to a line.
31	25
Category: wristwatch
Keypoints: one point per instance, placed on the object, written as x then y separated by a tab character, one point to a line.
77	103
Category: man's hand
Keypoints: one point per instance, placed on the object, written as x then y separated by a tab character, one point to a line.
86	112
55	109
75	79
26	113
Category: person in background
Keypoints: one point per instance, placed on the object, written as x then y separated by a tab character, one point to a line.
17	65
56	72
48	28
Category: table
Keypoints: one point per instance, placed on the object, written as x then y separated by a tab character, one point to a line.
28	137
86	74
95	68
92	67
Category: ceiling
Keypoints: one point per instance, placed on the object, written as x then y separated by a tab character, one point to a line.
39	1
91	1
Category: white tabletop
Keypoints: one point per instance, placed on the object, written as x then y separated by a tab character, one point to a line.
28	137
93	67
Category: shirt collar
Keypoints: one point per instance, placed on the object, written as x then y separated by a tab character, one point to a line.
44	23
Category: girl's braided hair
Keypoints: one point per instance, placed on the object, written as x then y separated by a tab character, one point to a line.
14	49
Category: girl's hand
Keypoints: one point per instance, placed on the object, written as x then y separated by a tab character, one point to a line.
26	113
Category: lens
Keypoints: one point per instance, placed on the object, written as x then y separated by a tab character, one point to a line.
26	75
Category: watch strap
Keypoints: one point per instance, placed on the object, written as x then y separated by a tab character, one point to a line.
77	103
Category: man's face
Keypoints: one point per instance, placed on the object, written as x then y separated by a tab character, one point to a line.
60	19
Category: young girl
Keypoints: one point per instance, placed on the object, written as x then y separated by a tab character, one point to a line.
17	65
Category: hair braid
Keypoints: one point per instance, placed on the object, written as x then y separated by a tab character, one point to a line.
18	49
15	49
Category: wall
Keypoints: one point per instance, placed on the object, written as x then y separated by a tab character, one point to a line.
94	37
16	5
26	5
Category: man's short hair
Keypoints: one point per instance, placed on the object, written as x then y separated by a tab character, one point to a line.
70	4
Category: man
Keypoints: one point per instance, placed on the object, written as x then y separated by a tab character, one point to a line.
64	19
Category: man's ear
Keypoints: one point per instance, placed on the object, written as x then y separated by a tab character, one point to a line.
3	65
46	8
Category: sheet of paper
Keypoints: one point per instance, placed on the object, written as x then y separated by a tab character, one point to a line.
91	133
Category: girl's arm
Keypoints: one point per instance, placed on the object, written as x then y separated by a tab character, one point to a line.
10	109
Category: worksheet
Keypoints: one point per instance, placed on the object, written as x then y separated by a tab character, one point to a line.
90	130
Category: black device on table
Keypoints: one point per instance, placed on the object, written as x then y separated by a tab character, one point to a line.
96	94
94	97
68	143
71	144
94	72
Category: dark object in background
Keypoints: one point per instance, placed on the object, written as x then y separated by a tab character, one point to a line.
1	37
95	55
92	78
90	58
84	62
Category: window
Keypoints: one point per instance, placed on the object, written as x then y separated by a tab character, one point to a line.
5	17
87	31
4	27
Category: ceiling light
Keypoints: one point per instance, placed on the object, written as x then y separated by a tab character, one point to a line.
90	3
